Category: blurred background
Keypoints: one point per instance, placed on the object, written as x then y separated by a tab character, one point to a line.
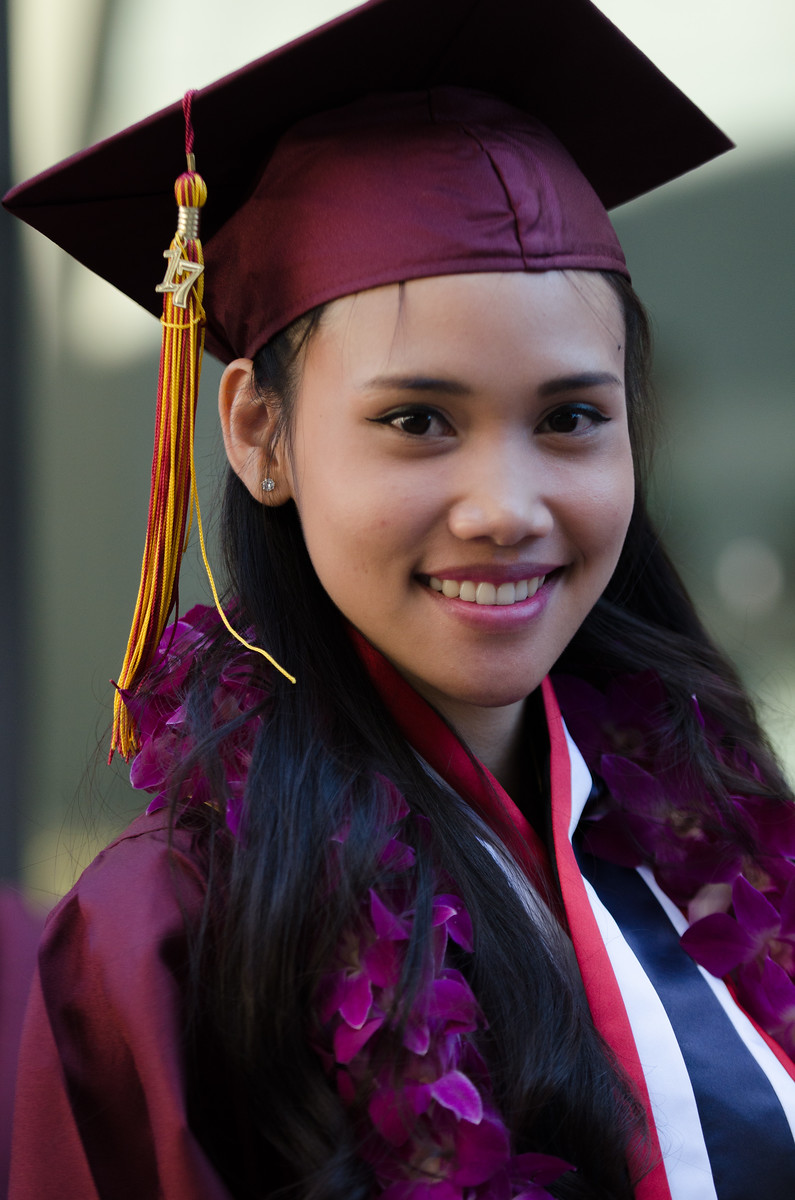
713	255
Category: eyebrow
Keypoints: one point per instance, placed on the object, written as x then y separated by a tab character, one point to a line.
571	383
416	383
454	387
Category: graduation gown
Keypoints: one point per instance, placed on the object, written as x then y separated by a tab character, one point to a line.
20	930
101	1110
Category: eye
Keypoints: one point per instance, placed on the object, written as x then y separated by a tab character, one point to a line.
572	419
416	422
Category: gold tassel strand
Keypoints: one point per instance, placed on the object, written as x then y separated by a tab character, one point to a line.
173	492
171	484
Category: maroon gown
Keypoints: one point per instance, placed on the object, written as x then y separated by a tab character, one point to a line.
20	930
101	1108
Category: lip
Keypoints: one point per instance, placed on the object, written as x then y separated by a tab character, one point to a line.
493	572
495	618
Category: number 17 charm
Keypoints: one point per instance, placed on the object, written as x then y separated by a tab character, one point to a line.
173	280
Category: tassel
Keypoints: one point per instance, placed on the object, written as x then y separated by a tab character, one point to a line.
173	493
171	485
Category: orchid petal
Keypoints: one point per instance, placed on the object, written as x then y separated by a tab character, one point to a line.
234	817
779	872
459	1094
178	718
481	1150
454	1003
457	919
357	1001
460	929
150	767
397	856
772	821
386	924
718	944
391	1117
395	805
787	911
341	834
538	1168
770	1000
383	961
348	1042
753	911
417	1038
779	989
498	1187
441	911
628	781
709	899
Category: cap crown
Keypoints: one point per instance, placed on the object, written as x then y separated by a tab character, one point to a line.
395	187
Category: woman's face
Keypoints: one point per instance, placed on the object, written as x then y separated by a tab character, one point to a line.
462	468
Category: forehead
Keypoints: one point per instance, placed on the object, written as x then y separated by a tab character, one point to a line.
474	322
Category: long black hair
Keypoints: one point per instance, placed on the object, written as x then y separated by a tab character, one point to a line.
260	1098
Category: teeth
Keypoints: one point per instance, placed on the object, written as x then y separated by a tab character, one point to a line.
487	593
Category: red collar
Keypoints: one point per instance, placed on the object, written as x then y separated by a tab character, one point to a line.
438	745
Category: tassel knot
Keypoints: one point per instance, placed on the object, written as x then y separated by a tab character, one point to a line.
190	190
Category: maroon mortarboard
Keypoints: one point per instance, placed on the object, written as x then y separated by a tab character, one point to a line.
627	127
408	138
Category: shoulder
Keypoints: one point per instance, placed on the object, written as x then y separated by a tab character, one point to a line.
102	1074
131	907
150	846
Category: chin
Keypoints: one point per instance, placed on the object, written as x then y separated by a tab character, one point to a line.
485	693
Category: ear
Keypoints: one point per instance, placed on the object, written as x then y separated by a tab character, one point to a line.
249	429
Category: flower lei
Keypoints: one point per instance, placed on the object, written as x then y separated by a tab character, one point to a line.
434	1133
741	908
161	717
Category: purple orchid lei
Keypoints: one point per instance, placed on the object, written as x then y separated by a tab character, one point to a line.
161	717
741	908
430	1131
434	1134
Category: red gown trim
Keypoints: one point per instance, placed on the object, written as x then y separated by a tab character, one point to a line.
604	996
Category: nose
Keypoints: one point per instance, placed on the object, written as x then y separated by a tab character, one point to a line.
501	497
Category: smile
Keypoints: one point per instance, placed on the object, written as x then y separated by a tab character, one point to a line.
487	593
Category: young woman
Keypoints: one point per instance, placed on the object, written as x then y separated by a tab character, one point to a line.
380	931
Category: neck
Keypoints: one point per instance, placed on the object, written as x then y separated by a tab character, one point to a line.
494	735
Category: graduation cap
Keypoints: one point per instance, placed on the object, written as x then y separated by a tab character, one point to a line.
407	138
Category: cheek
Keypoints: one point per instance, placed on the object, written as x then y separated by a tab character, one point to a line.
350	529
355	503
622	507
606	508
